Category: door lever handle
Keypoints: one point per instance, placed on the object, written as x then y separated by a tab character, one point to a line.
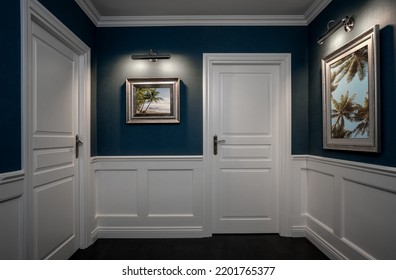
215	142
78	143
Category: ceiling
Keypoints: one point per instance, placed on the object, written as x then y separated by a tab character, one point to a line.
205	12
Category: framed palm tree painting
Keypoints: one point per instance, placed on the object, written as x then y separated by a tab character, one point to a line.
350	81
152	100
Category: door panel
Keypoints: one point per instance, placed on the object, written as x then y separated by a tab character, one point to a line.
244	102
54	124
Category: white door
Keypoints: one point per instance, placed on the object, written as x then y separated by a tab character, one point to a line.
53	122
244	111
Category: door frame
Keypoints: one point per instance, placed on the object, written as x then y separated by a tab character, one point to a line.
32	10
283	60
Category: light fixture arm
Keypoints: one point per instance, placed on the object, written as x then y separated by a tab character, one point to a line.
152	56
333	26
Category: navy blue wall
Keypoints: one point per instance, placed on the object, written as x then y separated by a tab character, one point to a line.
10	86
186	45
367	13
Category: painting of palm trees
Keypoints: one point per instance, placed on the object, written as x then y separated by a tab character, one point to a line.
152	100
350	95
349	89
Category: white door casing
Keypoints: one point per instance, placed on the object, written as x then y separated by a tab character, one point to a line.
56	85
246	180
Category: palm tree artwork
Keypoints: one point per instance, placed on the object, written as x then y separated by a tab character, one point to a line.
152	101
349	96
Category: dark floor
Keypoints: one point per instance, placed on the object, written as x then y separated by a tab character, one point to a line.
217	247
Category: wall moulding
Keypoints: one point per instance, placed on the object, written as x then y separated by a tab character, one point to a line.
353	221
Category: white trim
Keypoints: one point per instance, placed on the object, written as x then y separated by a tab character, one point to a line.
366	167
116	219
202	20
148	232
220	20
90	10
331	238
144	158
34	11
315	9
284	61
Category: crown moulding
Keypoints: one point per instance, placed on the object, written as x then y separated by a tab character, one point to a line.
202	20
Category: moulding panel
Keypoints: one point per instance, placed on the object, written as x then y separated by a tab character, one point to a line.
11	234
163	192
12	241
117	192
368	218
320	197
360	200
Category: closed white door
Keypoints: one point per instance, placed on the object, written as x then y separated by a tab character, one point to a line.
244	110
53	125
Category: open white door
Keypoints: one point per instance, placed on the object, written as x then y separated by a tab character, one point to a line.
53	119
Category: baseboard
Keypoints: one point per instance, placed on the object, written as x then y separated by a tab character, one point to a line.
149	232
299	231
327	249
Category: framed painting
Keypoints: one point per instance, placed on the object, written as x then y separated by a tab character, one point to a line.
152	100
350	82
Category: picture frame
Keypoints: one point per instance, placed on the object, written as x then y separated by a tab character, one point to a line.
152	100
350	85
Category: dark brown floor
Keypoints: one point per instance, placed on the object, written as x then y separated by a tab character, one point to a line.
217	247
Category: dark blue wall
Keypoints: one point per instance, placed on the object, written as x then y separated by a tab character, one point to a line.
367	13
10	86
186	45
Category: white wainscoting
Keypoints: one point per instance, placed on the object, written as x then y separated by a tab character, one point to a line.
12	215
148	197
345	208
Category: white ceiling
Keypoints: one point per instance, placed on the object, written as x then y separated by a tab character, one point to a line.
202	12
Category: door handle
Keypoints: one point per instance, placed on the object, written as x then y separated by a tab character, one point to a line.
78	143
215	142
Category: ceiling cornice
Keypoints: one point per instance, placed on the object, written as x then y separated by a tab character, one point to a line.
220	20
316	8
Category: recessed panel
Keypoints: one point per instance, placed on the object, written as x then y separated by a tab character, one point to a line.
245	103
170	192
370	220
117	192
248	152
320	201
10	235
45	159
54	215
53	87
245	193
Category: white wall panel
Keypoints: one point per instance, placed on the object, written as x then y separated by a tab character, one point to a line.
12	245
320	197
117	192
148	197
350	207
170	192
370	219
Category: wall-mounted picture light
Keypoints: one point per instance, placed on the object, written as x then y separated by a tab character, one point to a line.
333	26
152	56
